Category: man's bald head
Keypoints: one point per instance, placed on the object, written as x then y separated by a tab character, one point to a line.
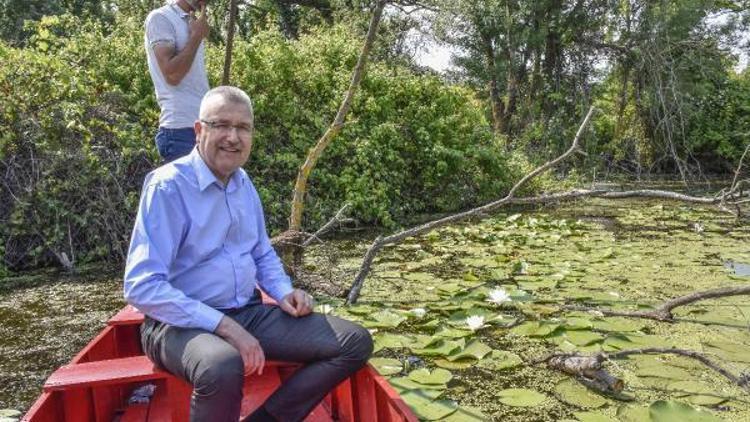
225	93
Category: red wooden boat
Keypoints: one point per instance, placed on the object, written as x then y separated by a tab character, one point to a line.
98	383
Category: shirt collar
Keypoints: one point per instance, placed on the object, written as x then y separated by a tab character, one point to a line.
177	9
206	177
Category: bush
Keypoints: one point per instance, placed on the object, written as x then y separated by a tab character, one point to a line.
78	116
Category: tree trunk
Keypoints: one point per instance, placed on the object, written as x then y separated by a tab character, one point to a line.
300	186
498	107
230	41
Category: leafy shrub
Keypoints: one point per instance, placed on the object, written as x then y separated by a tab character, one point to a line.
78	114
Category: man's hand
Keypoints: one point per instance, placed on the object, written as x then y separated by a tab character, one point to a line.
248	346
297	303
199	26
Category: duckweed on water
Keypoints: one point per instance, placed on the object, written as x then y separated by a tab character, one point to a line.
512	272
631	255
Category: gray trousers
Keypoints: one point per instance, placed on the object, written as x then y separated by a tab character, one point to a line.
330	348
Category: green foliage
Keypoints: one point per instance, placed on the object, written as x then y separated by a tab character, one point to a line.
413	144
72	152
79	114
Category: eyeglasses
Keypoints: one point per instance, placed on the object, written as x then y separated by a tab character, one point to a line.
243	129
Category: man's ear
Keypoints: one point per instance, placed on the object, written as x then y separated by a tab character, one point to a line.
198	127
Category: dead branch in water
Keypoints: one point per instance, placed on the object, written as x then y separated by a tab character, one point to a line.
728	197
338	218
589	369
382	241
664	311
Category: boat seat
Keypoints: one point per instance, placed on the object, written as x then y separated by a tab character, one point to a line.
104	372
114	371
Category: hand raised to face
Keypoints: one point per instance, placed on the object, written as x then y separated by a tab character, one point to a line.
199	25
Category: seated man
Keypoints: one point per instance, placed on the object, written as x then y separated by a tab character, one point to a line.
198	250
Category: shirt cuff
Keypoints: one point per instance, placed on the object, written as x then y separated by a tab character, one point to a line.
207	318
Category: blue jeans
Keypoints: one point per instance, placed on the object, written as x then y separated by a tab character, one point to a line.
175	143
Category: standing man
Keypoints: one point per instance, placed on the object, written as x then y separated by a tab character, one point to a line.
175	51
199	249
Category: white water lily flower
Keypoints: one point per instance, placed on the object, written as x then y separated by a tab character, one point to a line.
498	296
475	322
325	309
418	312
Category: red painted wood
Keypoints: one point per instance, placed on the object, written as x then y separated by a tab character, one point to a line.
99	380
46	408
128	340
105	372
393	398
77	405
106	401
343	404
179	393
128	315
363	389
319	414
258	388
159	410
135	413
96	343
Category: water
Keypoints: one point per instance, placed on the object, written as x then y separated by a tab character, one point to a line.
45	319
740	269
43	325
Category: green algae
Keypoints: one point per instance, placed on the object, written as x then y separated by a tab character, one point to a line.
625	255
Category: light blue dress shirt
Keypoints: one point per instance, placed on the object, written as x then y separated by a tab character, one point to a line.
199	247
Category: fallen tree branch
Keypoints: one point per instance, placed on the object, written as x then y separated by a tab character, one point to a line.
589	369
739	168
380	242
741	381
541	199
664	311
326	227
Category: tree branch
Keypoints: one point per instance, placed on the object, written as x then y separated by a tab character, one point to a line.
300	186
664	311
590	370
336	219
382	241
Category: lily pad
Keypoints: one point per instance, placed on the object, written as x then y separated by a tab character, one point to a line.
466	414
427	408
499	360
593	417
440	348
424	376
454	333
633	414
391	341
656	368
384	319
674	411
387	366
459	364
583	337
406	383
618	324
730	351
696	393
521	397
474	350
574	393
